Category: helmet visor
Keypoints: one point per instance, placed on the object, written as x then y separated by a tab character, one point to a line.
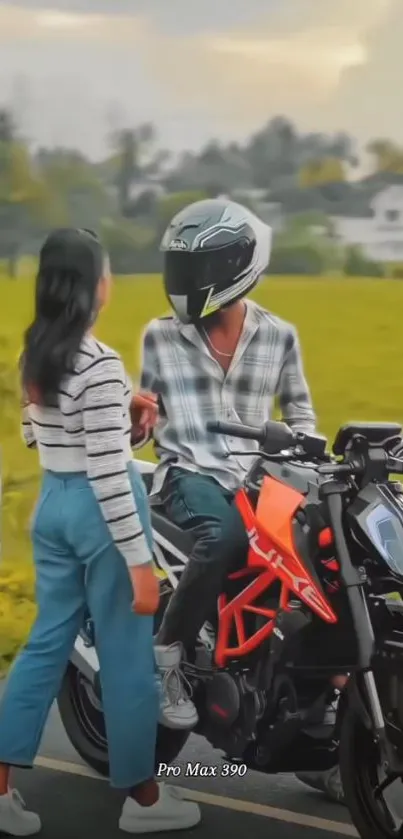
187	271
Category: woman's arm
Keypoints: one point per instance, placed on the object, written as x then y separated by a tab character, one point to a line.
27	431
103	412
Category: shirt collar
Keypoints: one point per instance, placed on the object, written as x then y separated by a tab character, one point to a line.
250	326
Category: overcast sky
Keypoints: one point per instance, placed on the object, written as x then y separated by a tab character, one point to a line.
201	68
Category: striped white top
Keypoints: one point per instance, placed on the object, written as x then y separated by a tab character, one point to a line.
89	432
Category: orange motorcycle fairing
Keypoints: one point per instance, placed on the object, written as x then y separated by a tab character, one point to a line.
272	558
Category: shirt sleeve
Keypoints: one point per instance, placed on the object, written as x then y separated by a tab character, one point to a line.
27	431
293	391
148	376
103	412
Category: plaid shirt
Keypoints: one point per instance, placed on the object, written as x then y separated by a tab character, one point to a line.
193	389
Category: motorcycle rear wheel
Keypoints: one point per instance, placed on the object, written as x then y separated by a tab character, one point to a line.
83	720
361	774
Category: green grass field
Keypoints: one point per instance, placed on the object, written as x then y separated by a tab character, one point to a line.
352	338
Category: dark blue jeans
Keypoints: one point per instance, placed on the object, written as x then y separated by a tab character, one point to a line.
199	504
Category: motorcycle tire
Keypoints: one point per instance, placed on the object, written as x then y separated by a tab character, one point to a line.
359	769
83	720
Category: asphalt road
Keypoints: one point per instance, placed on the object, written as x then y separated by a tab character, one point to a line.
74	802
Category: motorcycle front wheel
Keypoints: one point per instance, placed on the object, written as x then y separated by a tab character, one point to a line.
376	813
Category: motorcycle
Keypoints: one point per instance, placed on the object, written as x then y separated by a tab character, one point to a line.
319	594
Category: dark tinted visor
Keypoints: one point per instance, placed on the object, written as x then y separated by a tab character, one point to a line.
185	271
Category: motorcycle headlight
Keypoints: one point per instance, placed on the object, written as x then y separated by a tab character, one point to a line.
386	531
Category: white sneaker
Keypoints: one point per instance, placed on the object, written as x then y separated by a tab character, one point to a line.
176	707
170	812
15	820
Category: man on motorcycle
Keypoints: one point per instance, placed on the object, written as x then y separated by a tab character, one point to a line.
219	356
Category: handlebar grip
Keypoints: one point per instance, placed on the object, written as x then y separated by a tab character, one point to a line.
235	429
395	465
338	468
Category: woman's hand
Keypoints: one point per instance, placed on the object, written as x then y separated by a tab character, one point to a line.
146	589
144	415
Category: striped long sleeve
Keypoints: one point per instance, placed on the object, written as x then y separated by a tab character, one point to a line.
103	410
27	431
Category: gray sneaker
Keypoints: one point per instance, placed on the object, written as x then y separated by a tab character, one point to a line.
327	782
176	707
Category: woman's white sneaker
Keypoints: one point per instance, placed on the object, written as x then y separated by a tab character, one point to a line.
176	707
170	812
15	819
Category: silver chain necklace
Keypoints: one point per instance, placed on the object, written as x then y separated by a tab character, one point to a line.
219	352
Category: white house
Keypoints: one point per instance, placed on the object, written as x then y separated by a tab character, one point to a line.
380	233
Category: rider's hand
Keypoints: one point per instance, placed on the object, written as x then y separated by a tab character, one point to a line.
144	415
146	589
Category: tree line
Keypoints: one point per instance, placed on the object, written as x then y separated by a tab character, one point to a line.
130	195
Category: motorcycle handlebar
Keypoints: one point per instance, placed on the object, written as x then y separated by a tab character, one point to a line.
357	467
395	465
236	429
275	437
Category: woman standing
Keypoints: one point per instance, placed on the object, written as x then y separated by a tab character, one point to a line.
92	543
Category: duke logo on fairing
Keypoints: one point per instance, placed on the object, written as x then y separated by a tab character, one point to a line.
300	585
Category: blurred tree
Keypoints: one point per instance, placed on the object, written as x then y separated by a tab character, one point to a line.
128	167
273	152
7	127
326	170
215	170
79	196
134	160
143	207
308	237
270	160
387	156
132	248
356	264
24	198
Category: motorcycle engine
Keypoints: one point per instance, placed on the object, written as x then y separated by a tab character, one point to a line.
223	699
232	708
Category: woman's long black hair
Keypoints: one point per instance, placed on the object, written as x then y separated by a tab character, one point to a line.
71	264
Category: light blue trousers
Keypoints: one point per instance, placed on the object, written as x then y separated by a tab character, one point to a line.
78	566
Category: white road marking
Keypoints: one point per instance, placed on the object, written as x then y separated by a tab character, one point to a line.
263	810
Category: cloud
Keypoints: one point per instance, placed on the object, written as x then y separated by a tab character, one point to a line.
175	15
221	67
46	24
368	98
291	61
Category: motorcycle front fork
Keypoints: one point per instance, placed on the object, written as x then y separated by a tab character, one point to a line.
353	581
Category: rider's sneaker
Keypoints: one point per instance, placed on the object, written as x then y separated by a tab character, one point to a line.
15	819
176	707
327	782
170	812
